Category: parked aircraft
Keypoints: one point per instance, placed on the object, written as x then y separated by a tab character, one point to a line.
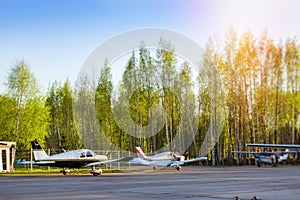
270	156
71	159
165	159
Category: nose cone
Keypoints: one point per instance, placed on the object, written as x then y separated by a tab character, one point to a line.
182	158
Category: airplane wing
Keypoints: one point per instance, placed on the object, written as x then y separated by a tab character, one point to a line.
187	161
246	152
263	152
290	146
254	152
195	160
108	161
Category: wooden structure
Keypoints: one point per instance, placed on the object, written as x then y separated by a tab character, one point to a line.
7	156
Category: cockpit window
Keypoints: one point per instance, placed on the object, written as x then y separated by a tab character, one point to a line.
89	154
82	155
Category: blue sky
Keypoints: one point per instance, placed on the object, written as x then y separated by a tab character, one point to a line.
56	36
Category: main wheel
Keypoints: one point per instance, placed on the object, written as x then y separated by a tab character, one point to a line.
178	168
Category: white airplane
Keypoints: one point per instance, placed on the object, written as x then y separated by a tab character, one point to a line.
270	157
165	159
71	159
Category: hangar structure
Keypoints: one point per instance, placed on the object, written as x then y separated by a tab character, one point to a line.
7	156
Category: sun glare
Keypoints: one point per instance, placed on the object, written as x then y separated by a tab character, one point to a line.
276	16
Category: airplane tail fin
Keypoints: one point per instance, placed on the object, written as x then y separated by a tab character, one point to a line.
38	151
285	156
140	153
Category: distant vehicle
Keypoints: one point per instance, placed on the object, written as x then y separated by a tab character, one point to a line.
165	159
270	157
71	159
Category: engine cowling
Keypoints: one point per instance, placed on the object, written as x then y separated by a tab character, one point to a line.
182	158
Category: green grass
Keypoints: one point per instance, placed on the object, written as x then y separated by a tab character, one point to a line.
56	171
27	171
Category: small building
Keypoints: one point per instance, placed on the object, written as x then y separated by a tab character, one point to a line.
7	156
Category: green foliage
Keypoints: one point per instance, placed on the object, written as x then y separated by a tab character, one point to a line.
26	116
63	133
7	119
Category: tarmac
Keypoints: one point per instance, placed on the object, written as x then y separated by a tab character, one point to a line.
212	183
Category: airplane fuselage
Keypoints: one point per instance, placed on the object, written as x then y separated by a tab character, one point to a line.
270	159
72	159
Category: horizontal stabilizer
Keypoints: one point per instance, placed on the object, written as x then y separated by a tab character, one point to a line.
25	162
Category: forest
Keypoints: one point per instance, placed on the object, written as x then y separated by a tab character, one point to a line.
246	90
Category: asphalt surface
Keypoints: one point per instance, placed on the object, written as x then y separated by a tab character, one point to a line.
191	183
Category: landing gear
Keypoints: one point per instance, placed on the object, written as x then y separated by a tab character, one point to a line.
65	171
96	171
258	164
274	160
178	168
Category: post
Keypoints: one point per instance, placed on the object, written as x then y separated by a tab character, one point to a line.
7	159
48	155
13	154
119	157
110	159
129	161
30	159
1	163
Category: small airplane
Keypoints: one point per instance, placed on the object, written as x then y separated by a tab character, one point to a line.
270	157
71	159
165	159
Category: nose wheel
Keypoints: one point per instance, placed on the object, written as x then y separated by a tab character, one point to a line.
64	171
178	168
96	171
